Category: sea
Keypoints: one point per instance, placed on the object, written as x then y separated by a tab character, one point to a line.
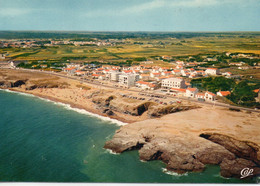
45	141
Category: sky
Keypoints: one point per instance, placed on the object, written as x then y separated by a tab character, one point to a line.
130	15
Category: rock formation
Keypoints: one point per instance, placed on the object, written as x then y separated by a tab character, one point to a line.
184	148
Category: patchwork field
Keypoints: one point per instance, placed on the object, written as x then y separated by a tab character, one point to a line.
140	47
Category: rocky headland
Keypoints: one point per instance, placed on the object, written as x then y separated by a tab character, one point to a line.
187	141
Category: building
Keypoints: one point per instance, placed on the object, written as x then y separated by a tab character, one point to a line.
167	73
114	76
145	76
223	93
146	85
178	91
210	96
191	92
212	71
128	80
154	75
173	83
70	70
80	73
206	95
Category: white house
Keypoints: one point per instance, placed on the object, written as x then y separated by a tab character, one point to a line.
176	72
191	92
153	75
212	71
80	73
206	95
145	85
210	96
70	71
178	91
173	83
167	73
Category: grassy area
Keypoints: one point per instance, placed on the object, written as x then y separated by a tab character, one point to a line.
140	47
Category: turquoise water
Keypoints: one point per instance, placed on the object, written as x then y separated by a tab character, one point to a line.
44	142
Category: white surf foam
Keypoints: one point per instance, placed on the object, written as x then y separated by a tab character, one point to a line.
173	173
15	92
111	152
68	107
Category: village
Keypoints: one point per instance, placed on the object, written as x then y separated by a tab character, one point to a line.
170	81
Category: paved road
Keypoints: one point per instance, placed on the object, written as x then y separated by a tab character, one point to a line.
99	85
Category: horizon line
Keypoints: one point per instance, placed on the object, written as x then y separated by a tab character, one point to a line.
124	31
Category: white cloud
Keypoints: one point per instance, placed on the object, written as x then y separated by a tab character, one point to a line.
155	4
7	12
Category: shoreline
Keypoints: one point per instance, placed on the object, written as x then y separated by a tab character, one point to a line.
71	106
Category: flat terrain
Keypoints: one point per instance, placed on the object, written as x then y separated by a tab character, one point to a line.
140	47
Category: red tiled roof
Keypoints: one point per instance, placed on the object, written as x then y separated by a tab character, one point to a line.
128	71
70	68
200	94
224	93
210	93
179	89
142	82
192	89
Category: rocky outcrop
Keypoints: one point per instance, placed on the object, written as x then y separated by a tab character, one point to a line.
182	151
134	107
103	101
160	110
238	168
12	83
242	149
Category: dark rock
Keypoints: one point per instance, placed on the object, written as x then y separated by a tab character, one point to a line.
242	149
18	83
238	167
110	113
213	156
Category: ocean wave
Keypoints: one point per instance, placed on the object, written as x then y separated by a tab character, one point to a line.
68	107
82	111
111	152
15	92
173	173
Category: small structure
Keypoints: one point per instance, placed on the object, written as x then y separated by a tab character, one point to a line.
223	93
191	92
210	96
212	71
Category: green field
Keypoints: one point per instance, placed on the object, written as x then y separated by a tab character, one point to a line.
142	47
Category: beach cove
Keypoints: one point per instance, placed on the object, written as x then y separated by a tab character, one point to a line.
77	99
